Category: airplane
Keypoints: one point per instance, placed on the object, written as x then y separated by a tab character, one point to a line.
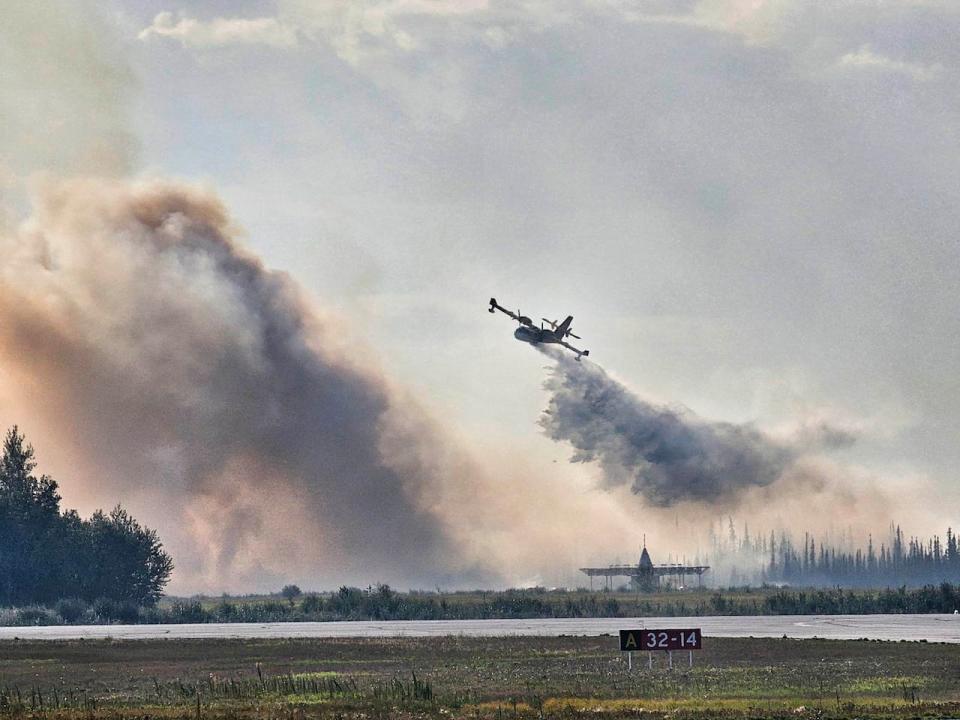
530	333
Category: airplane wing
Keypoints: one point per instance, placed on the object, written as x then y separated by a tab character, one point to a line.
578	351
522	319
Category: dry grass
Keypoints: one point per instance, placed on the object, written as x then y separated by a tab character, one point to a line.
489	678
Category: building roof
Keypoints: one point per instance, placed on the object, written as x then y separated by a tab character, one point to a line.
645	562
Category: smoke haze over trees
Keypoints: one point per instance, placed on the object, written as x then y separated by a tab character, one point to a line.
742	558
216	379
47	555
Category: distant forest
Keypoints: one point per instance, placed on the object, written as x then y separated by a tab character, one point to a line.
47	555
742	559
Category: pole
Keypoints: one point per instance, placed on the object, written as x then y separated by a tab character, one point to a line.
650	661
670	657
630	660
691	657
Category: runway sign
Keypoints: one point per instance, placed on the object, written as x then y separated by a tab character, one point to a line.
672	639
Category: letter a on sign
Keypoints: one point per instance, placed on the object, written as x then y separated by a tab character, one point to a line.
630	642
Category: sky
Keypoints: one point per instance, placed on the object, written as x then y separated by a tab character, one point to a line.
748	206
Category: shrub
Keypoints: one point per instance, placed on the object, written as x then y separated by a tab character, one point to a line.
151	615
37	615
103	609
188	612
290	592
70	609
312	604
127	612
225	611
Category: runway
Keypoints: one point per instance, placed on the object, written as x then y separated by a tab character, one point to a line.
932	628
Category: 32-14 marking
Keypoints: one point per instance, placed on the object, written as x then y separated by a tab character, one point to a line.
661	640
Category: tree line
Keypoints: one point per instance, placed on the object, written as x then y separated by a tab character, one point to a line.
48	555
742	559
384	603
905	561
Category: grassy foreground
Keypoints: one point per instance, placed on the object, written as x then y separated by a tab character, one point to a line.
459	677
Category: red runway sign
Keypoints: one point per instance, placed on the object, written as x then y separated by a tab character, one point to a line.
673	639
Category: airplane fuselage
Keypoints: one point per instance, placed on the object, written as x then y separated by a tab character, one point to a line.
534	335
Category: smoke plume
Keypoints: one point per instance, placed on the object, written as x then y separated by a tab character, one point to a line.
154	362
667	455
189	377
165	367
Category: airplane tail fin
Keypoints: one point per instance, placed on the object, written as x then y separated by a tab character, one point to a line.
563	327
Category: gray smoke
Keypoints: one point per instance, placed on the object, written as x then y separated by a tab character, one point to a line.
186	376
667	455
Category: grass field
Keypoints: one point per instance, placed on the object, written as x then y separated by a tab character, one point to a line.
489	678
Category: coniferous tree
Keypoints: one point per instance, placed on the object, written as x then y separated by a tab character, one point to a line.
905	561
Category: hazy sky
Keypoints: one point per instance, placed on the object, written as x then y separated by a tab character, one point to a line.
749	206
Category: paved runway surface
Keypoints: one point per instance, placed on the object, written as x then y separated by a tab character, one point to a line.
933	628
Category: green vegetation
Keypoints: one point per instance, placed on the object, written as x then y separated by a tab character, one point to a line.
109	562
383	603
488	678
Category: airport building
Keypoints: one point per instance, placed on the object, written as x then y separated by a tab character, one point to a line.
645	576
